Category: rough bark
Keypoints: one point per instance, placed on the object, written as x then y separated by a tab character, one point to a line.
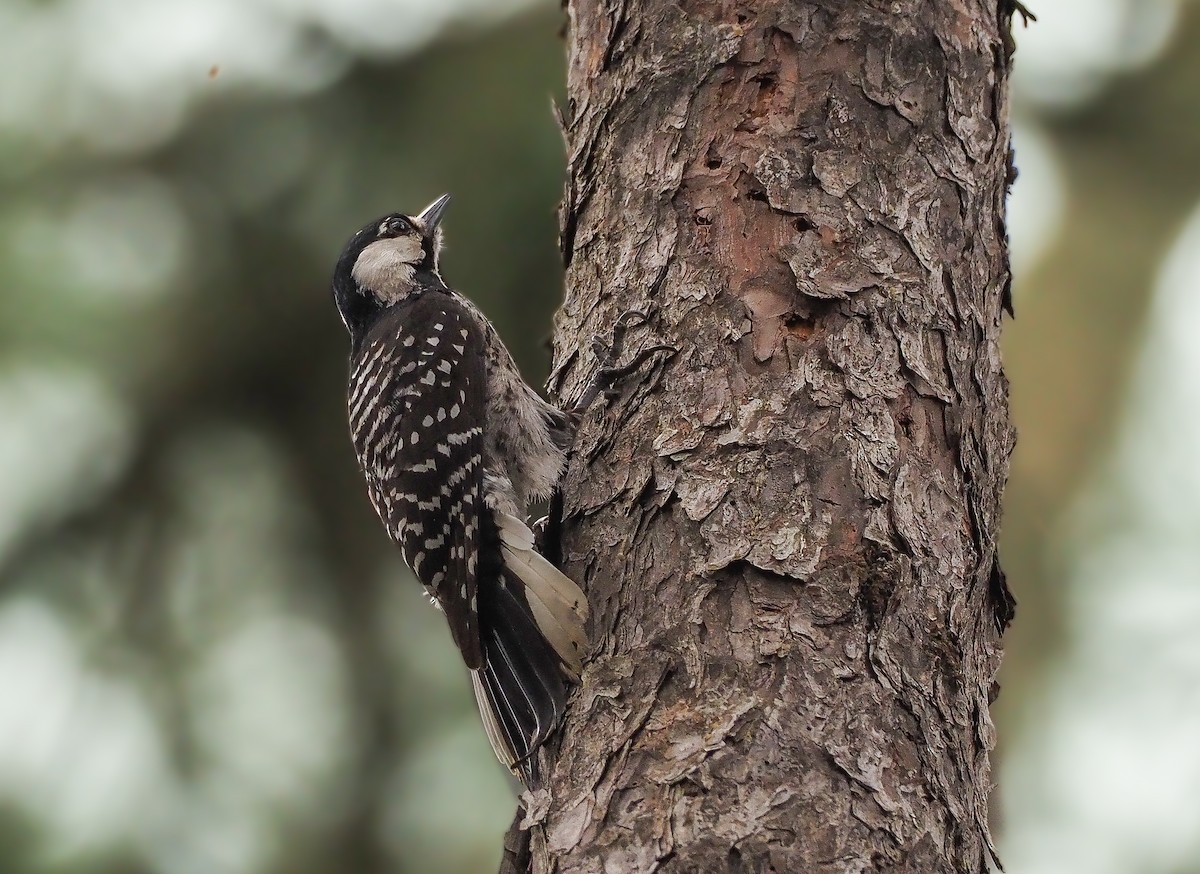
787	530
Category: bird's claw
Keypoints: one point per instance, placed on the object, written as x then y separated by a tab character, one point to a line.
608	354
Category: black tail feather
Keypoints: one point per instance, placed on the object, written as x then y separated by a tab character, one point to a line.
531	630
523	678
507	720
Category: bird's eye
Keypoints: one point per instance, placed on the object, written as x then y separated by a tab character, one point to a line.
398	226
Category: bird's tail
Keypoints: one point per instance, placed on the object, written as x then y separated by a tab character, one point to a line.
532	628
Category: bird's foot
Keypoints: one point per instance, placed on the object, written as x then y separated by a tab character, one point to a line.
608	354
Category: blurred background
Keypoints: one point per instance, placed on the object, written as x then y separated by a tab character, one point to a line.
209	663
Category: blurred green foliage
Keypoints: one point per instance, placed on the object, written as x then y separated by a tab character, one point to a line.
229	669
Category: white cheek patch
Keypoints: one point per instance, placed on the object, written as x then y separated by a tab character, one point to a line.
386	267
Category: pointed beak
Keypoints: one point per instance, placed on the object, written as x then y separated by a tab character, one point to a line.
432	214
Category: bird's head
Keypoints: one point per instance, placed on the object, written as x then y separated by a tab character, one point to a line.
387	261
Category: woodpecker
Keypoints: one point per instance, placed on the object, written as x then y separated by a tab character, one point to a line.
454	444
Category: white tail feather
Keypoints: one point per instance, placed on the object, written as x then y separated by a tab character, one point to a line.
517	539
558	605
514	532
555	619
549	582
491	725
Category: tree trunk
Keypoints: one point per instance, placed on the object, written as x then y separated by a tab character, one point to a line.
787	530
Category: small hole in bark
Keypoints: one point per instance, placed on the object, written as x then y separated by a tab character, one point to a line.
757	194
764	99
742	18
702	219
804	223
798	326
713	162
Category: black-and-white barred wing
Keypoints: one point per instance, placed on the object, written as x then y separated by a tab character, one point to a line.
415	402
